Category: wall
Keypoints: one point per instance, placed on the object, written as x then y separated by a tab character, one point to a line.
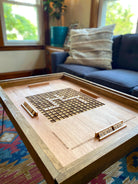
78	11
12	61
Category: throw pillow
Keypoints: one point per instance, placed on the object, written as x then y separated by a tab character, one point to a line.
92	47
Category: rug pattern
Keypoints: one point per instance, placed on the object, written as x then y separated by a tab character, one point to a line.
17	166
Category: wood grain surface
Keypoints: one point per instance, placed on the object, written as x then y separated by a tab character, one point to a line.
69	144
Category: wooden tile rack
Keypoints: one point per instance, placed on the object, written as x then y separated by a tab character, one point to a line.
29	109
102	134
38	84
89	93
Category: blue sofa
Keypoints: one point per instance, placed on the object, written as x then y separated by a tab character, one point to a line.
124	74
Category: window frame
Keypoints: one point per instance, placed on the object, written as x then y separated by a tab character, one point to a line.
94	13
45	34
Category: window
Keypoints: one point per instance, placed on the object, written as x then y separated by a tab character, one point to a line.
123	13
21	22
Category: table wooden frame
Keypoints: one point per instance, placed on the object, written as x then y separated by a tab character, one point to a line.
91	164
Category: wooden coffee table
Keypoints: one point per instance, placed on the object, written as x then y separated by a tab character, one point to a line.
73	128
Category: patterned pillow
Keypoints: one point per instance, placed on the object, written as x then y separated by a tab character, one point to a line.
92	47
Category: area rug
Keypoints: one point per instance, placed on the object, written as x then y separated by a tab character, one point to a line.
17	166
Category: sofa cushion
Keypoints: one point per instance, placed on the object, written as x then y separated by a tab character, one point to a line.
58	58
128	55
78	70
135	91
115	50
92	47
119	79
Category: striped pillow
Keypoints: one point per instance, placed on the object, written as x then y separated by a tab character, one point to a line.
92	47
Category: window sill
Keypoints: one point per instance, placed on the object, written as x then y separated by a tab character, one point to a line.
29	47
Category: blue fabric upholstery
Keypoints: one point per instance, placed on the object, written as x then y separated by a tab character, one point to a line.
115	50
119	79
135	91
58	58
123	76
128	55
78	70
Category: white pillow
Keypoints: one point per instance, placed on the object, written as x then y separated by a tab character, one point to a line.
92	47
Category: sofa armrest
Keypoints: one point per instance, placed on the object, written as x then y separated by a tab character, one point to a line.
58	58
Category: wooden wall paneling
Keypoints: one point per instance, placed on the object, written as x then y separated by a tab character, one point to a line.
94	13
18	74
28	47
46	27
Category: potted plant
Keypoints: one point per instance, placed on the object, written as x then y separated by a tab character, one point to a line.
55	9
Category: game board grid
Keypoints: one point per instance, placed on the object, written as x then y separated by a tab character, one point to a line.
61	104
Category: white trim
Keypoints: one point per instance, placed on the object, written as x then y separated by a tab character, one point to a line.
23	3
20	42
102	13
137	27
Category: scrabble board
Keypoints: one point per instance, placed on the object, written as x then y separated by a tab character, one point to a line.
70	126
61	104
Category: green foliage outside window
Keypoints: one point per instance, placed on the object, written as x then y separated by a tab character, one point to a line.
116	14
19	24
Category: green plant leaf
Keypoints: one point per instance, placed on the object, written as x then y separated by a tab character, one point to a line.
57	8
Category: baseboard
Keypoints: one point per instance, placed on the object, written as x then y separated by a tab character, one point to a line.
10	75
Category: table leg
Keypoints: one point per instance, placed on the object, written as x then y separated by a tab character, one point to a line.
2	122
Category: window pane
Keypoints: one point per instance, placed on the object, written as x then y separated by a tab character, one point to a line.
124	14
21	22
